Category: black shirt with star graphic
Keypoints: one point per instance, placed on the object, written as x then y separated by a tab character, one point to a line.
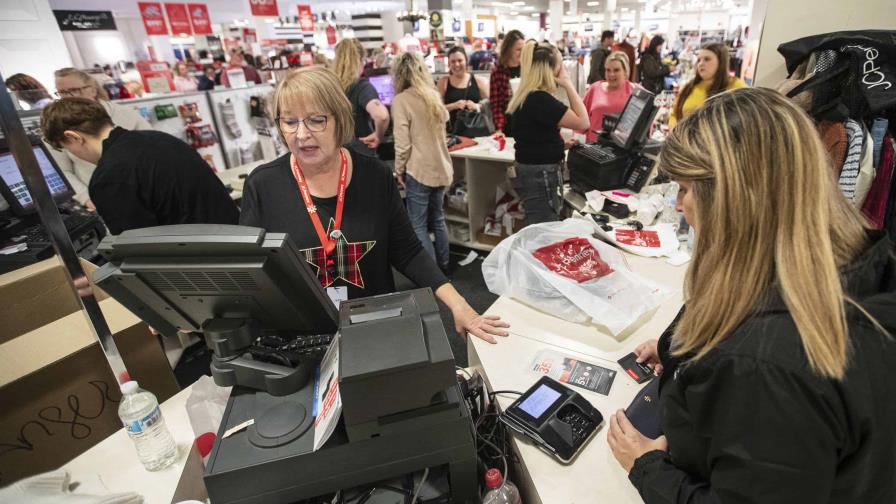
375	226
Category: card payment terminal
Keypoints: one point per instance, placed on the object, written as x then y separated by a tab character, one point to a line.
556	418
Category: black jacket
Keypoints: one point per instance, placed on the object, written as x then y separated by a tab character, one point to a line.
598	58
653	72
150	178
750	423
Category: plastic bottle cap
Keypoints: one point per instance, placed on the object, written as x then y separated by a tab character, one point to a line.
493	478
129	387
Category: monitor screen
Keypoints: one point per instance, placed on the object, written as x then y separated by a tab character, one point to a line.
539	401
629	119
12	178
383	86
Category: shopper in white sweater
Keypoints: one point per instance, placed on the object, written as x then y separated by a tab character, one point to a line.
71	82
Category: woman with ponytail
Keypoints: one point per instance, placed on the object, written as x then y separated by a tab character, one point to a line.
537	118
776	383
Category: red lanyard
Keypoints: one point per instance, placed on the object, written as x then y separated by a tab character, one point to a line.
327	242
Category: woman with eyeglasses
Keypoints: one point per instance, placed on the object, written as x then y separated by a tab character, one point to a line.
74	83
341	207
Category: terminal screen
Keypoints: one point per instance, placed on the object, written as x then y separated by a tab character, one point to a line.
383	86
628	121
12	177
539	401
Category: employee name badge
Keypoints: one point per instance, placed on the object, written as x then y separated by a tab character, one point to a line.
573	371
337	295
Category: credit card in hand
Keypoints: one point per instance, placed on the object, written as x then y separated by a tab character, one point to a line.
637	371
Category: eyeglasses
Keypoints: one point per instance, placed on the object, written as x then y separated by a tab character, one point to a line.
315	123
71	92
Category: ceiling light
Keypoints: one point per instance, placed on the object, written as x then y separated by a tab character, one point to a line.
514	13
593	4
529	8
519	3
535	14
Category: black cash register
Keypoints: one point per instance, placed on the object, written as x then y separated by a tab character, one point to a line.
615	161
255	299
556	418
20	224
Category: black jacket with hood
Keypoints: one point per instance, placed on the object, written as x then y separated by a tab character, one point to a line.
751	423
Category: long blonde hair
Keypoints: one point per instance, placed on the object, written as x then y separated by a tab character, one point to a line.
348	62
86	79
538	63
769	216
411	75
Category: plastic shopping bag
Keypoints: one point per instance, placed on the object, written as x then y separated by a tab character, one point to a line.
205	407
559	268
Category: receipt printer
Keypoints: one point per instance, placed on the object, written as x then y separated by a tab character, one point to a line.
395	364
557	419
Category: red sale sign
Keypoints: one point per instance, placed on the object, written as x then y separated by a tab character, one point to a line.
202	24
574	258
153	19
263	7
331	35
306	18
178	19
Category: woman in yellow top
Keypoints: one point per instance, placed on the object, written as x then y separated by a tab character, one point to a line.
712	78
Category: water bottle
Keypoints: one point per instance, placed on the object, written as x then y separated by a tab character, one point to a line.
142	418
500	491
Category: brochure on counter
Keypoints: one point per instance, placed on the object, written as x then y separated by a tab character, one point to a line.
327	400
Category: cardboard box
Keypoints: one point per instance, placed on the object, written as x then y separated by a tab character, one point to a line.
58	392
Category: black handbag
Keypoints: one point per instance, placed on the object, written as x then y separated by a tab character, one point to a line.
472	124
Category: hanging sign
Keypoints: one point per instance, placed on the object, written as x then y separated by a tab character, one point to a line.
263	7
306	18
202	24
69	20
153	19
435	19
178	19
331	35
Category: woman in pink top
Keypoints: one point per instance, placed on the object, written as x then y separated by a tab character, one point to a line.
608	96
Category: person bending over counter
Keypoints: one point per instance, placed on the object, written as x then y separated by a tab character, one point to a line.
776	383
142	178
74	83
342	207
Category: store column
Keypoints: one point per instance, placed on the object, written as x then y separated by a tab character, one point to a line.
555	10
609	12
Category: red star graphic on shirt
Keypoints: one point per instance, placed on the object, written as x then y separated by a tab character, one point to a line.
345	260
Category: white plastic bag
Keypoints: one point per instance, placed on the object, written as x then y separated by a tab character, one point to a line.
614	300
205	407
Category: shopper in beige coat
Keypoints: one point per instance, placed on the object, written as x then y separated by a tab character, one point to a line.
421	152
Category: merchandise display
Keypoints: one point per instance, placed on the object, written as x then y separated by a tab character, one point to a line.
186	116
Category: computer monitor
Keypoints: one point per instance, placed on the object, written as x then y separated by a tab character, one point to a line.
177	278
12	184
383	86
635	119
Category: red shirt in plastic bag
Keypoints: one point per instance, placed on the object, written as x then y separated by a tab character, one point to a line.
574	258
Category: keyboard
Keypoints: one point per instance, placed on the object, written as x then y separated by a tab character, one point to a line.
288	352
599	153
37	233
